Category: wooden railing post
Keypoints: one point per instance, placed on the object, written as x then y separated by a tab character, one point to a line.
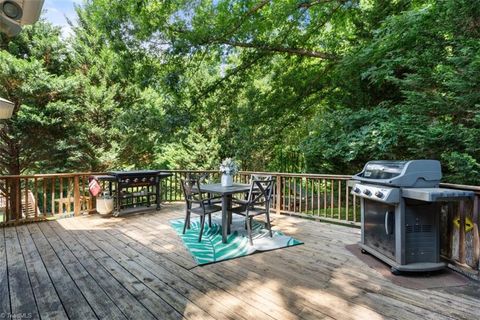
476	237
278	190
76	196
461	241
15	203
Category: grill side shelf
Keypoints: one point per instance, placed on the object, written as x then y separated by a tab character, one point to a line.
436	194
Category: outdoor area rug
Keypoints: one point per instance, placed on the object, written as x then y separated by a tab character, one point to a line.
212	249
411	280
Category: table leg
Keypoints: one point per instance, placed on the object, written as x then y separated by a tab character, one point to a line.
118	204
157	194
224	218
229	208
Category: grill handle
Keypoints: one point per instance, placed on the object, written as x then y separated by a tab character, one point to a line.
387	226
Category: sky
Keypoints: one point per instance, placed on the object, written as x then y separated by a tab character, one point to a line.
57	12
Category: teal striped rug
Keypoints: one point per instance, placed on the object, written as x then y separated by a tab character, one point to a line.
212	249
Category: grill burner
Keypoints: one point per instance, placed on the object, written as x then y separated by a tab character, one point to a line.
400	212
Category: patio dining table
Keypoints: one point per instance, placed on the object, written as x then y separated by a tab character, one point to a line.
226	193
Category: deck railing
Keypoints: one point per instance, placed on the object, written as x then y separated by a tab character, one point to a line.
315	196
325	197
42	196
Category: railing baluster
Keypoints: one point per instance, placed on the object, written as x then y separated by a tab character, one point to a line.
44	190
294	194
278	193
312	182
324	197
69	196
319	196
354	208
347	198
52	195
301	195
35	197
289	194
18	191
7	201
76	196
85	197
332	192
26	200
339	199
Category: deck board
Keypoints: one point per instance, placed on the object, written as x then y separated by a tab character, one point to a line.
122	270
22	300
72	299
48	302
98	300
126	302
136	267
4	289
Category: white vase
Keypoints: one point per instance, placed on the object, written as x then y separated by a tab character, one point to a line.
104	205
227	180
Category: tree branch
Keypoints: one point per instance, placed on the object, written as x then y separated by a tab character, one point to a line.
235	71
244	18
292	51
308	4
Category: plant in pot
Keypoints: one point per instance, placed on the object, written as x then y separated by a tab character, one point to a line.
228	168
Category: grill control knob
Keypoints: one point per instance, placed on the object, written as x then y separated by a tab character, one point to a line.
356	190
367	192
379	194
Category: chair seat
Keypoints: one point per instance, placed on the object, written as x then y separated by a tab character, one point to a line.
252	212
214	200
240	201
208	209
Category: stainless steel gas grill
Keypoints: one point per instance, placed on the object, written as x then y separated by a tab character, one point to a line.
400	208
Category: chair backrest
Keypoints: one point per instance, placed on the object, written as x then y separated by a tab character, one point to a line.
207	178
191	188
261	189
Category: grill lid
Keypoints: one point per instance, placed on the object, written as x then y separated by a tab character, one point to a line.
413	173
134	173
382	169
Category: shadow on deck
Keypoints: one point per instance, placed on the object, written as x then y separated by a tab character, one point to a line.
137	267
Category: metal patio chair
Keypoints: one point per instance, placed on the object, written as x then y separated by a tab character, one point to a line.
257	203
190	188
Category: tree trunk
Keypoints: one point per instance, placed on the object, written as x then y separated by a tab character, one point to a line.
11	187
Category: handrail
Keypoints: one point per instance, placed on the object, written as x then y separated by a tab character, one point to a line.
306	175
461	187
50	175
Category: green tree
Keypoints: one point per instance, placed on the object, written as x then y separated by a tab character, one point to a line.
418	74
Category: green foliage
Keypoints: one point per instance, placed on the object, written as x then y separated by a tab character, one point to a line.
44	101
419	72
194	151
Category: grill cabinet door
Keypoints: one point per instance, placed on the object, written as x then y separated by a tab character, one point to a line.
379	227
421	232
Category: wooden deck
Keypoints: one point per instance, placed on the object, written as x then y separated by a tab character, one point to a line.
136	267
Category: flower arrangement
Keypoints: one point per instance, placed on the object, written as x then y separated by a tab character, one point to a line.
229	167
